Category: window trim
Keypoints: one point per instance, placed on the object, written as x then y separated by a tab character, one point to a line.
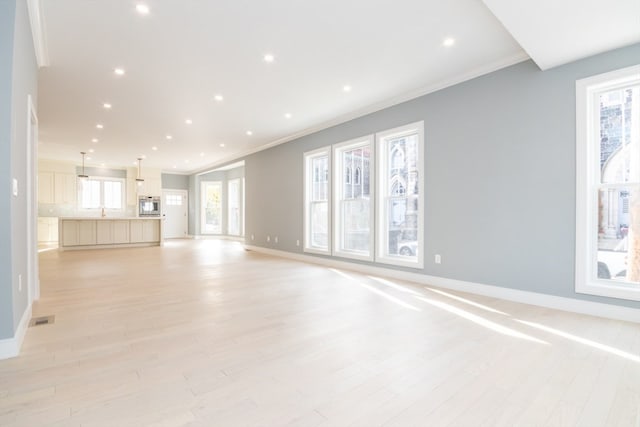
308	191
102	179
586	281
381	211
335	212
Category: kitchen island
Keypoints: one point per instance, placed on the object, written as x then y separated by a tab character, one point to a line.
103	233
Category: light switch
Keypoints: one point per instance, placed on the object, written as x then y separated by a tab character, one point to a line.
15	187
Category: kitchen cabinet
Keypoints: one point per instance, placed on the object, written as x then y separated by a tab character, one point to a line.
47	229
46	187
145	231
109	232
78	232
96	233
65	188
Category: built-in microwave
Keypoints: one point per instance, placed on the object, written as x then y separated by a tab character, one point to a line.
148	206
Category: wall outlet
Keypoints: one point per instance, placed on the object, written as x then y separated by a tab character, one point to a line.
297	242
276	239
14	187
268	238
20	282
253	237
438	259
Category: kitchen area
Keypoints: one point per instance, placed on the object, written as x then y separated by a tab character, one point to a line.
98	207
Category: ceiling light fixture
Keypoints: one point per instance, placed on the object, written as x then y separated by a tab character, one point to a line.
83	176
142	9
169	137
154	148
99	126
218	98
287	115
88	158
139	179
201	154
174	166
107	106
188	121
249	133
448	42
94	140
269	58
91	150
119	71
346	88
222	145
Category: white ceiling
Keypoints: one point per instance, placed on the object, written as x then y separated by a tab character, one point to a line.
184	52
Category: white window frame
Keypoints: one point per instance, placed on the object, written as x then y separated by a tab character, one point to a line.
229	206
308	191
102	180
382	184
203	208
587	173
338	178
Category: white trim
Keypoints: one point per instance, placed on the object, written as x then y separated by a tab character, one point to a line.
38	32
10	347
338	180
381	209
587	165
306	240
389	102
525	297
33	281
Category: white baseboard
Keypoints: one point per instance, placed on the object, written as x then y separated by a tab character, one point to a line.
608	311
10	347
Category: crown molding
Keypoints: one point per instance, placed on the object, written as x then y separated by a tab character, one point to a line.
36	17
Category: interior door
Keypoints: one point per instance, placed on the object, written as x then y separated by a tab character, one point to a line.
174	209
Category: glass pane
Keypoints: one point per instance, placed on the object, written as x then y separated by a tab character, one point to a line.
319	225
356	173
320	178
355	225
112	194
89	194
402	215
619	234
619	136
403	166
212	210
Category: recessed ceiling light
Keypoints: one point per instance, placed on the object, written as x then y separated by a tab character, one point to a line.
101	164
154	148
222	145
119	71
188	121
186	161
249	133
169	137
94	140
174	166
135	163
287	115
218	97
88	158
91	150
346	88
106	105
142	9
99	126
201	154
448	42
269	57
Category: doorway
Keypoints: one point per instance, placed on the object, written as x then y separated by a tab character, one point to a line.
176	221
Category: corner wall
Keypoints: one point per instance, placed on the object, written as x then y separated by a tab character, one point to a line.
499	177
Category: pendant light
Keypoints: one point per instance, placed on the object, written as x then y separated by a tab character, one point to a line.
139	179
83	175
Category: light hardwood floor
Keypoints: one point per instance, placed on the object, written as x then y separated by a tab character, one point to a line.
203	333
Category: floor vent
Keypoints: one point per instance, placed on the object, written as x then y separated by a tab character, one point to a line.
42	320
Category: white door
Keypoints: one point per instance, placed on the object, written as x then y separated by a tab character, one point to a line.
174	209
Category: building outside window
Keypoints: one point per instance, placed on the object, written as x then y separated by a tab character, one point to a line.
211	206
317	200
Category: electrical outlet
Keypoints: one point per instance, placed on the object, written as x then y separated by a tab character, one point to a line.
438	259
297	242
268	238
253	237
20	282
276	239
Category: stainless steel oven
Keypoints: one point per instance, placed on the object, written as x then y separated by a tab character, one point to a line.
148	206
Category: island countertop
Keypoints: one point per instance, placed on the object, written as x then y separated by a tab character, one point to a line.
108	232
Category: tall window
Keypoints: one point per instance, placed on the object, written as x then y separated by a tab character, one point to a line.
608	184
399	208
234	207
98	193
317	187
353	234
211	207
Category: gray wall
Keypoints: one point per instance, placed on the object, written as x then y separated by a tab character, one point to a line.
7	14
499	176
18	78
175	182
